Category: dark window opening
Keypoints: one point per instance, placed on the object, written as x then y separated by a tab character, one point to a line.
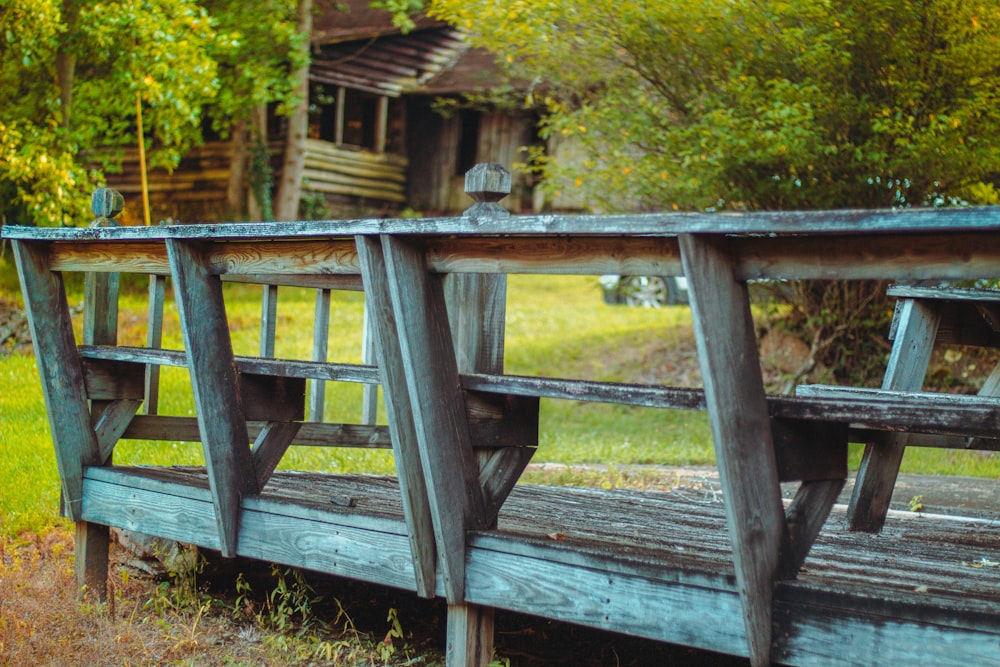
468	141
322	112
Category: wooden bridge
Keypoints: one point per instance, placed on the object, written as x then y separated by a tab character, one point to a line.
755	578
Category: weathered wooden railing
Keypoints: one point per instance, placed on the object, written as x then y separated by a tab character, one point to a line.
461	430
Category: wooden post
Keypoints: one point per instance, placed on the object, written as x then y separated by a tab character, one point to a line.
221	419
476	306
917	325
369	397
381	124
268	317
100	327
741	430
154	339
405	449
321	335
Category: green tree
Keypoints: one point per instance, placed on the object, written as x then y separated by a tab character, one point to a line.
70	72
754	105
761	105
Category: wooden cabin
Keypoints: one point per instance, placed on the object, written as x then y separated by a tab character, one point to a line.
377	144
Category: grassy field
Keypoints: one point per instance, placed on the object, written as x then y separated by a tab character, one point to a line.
557	326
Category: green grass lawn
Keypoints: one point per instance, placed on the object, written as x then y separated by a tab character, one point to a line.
557	326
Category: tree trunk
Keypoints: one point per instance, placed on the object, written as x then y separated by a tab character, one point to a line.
236	187
66	64
286	206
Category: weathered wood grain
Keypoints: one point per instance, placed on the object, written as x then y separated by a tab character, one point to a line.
112	422
806	516
928	223
60	371
110	379
272	398
154	339
734	391
215	385
268	320
439	413
416	503
627	561
276	367
321	334
270	445
311	434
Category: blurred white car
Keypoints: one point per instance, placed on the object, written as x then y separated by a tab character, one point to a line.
647	291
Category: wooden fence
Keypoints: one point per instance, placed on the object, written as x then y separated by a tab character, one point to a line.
754	578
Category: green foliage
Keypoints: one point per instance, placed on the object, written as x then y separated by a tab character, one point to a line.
722	104
701	104
71	73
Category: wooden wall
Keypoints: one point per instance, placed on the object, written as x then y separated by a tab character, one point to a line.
196	190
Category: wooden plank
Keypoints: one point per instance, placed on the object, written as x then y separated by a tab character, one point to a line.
272	398
498	474
214	383
321	334
911	352
626	255
110	379
154	339
943	293
113	421
268	320
276	367
369	396
91	551
439	414
100	326
185	429
502	420
651	396
543	586
469	635
734	391
406	450
60	371
805	517
810	451
270	445
954	230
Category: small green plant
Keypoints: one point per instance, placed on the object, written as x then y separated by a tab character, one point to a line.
288	607
388	647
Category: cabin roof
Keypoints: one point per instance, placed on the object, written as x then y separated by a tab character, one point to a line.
358	47
389	65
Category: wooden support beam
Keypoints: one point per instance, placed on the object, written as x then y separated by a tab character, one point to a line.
91	551
100	327
499	473
112	423
60	371
369	397
406	450
154	339
806	516
271	444
268	320
737	406
439	413
916	326
321	335
214	383
470	636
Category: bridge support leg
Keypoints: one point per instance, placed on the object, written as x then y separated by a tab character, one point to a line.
741	430
916	328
